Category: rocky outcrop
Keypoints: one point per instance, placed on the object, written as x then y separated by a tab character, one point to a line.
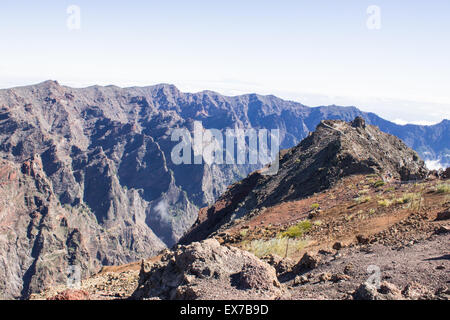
443	215
71	295
309	261
282	266
207	270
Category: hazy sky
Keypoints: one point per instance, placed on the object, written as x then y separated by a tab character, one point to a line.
315	52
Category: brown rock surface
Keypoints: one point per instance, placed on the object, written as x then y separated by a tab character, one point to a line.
71	295
336	149
207	270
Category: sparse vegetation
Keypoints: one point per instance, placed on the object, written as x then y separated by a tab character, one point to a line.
349	217
261	248
297	230
294	232
412	198
243	232
405	199
363	199
443	188
315	206
378	184
363	192
384	202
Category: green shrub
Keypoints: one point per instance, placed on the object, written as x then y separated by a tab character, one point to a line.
379	183
413	200
297	231
385	202
407	198
315	206
363	199
401	200
244	232
363	191
443	188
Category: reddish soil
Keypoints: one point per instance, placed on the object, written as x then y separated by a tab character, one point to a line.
341	217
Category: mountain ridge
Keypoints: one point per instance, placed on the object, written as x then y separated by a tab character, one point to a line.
105	155
217	93
336	149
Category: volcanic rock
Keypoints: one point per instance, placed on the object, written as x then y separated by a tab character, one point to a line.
335	150
208	270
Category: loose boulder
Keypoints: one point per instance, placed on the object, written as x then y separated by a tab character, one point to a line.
309	261
208	270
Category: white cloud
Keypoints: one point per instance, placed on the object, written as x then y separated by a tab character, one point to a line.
434	164
162	209
419	122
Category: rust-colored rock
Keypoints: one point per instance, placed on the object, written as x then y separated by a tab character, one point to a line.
71	294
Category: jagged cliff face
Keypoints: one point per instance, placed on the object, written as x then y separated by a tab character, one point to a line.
101	159
335	150
40	238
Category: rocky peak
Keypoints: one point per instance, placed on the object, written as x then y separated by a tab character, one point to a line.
49	84
335	150
359	122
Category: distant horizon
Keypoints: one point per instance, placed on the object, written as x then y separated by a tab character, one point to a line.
387	57
363	109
